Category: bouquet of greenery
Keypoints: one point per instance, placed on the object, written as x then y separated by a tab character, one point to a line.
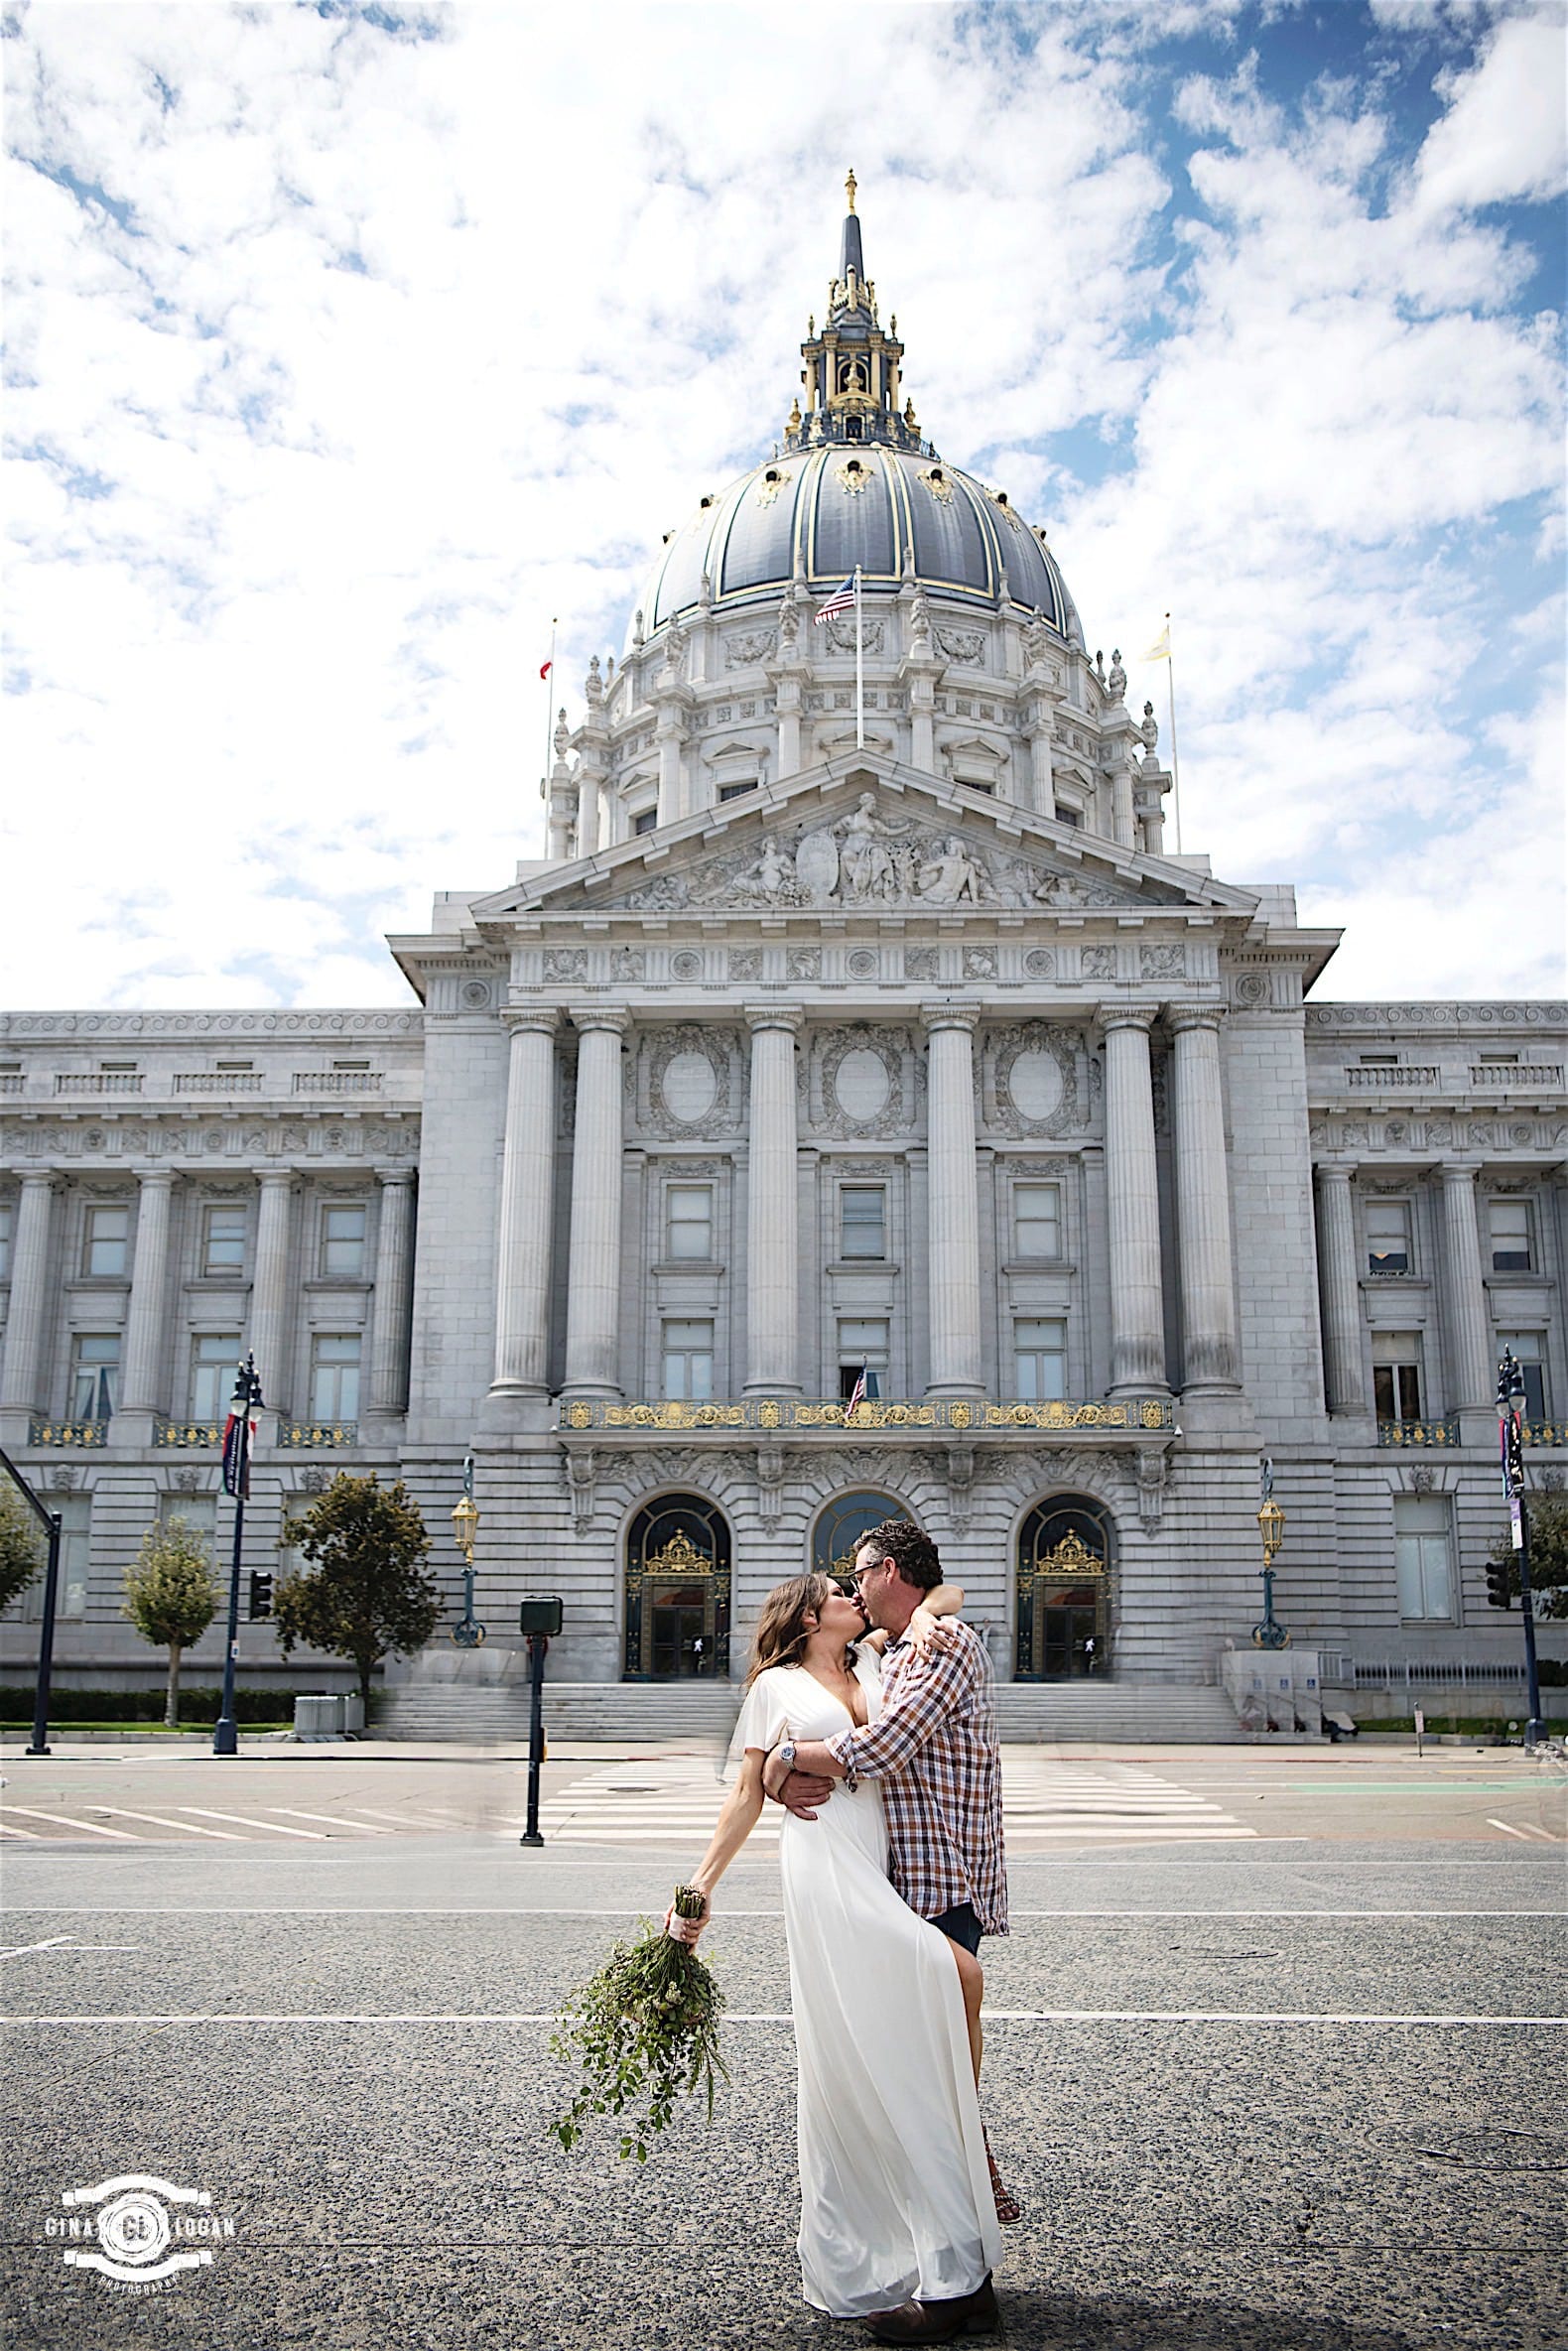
646	2031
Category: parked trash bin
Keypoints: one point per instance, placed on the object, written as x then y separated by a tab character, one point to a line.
318	1716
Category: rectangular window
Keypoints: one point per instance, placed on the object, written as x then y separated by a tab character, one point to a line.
1387	1237
1530	1350
689	1222
863	1344
214	1358
737	791
1513	1236
1037	1220
7	1229
108	1247
862	1219
645	820
1039	1354
1396	1374
343	1242
334	1375
689	1360
94	1375
1069	817
223	1241
1423	1553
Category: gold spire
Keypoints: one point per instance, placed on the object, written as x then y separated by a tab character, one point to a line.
848	189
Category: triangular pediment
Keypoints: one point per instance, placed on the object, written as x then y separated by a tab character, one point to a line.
862	835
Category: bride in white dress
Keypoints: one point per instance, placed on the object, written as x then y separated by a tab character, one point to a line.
896	2200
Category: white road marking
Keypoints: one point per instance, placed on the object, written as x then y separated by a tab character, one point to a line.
1533	1830
186	1828
334	1820
400	1820
1507	1828
492	2017
17	1949
33	1836
242	1820
60	1820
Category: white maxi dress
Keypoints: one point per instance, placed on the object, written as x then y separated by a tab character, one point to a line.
895	2192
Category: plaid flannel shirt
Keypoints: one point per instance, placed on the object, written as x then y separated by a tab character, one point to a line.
932	1748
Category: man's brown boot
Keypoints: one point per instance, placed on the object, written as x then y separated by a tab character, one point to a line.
973	2313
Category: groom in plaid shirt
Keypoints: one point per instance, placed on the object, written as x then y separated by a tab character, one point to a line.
933	1748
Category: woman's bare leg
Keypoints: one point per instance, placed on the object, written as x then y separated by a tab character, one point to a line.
971	1982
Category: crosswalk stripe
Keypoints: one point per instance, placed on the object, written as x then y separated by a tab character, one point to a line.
186	1828
332	1820
60	1820
243	1820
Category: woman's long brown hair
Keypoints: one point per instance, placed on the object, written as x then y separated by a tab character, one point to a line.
782	1630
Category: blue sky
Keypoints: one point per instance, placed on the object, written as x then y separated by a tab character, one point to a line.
349	345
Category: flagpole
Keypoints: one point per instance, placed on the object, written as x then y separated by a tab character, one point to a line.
550	696
860	671
1170	688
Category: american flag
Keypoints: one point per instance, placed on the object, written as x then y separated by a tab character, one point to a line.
839	602
857	1397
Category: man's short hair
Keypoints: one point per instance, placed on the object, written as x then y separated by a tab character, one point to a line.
911	1550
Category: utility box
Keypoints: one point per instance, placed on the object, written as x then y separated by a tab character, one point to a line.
319	1717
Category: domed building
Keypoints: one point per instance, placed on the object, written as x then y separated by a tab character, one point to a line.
860	1110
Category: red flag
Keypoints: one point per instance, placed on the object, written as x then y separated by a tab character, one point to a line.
546	669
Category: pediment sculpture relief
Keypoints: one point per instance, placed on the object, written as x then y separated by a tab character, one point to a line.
867	860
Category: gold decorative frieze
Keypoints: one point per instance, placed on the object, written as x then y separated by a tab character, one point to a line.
1126	1414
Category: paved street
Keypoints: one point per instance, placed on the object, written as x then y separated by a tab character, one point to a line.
1293	2086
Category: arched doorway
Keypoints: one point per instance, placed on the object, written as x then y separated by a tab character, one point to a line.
1066	1547
843	1525
677	1591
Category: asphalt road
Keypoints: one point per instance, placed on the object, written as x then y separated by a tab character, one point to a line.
1270	2059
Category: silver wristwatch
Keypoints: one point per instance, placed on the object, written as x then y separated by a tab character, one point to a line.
785	1751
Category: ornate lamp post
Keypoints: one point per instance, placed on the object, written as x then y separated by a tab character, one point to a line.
467	1635
1270	1633
238	1437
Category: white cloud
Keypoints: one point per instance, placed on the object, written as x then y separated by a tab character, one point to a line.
304	495
1504	135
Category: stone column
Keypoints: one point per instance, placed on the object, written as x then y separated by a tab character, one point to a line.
522	1279
1124	819
1471	1370
139	1389
773	1211
593	1259
22	1366
1341	1291
952	1213
1040	731
268	1338
1210	1355
1137	1312
389	1328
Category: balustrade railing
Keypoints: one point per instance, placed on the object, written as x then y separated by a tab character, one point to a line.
337	1080
217	1081
187	1435
1377	1078
1495	1076
97	1081
1419	1432
318	1436
977	1415
81	1434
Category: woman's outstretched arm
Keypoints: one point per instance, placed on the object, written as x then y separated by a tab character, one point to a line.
943	1600
736	1819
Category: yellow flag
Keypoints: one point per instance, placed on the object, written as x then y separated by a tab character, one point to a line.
1160	650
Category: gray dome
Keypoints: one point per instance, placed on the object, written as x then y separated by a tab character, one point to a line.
815	514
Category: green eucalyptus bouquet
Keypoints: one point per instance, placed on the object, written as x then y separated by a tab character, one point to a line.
645	2031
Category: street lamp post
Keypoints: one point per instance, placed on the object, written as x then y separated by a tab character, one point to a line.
1511	1411
538	1618
237	1438
1270	1633
467	1635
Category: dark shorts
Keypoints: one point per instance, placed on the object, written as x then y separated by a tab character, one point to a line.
960	1925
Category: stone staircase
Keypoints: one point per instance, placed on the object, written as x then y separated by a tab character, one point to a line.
480	1715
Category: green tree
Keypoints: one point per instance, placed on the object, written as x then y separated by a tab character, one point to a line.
171	1595
1547	1527
22	1547
370	1596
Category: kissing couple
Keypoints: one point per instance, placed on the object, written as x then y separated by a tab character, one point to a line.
872	1721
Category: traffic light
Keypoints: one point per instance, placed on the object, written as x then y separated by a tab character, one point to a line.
260	1598
1499	1576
